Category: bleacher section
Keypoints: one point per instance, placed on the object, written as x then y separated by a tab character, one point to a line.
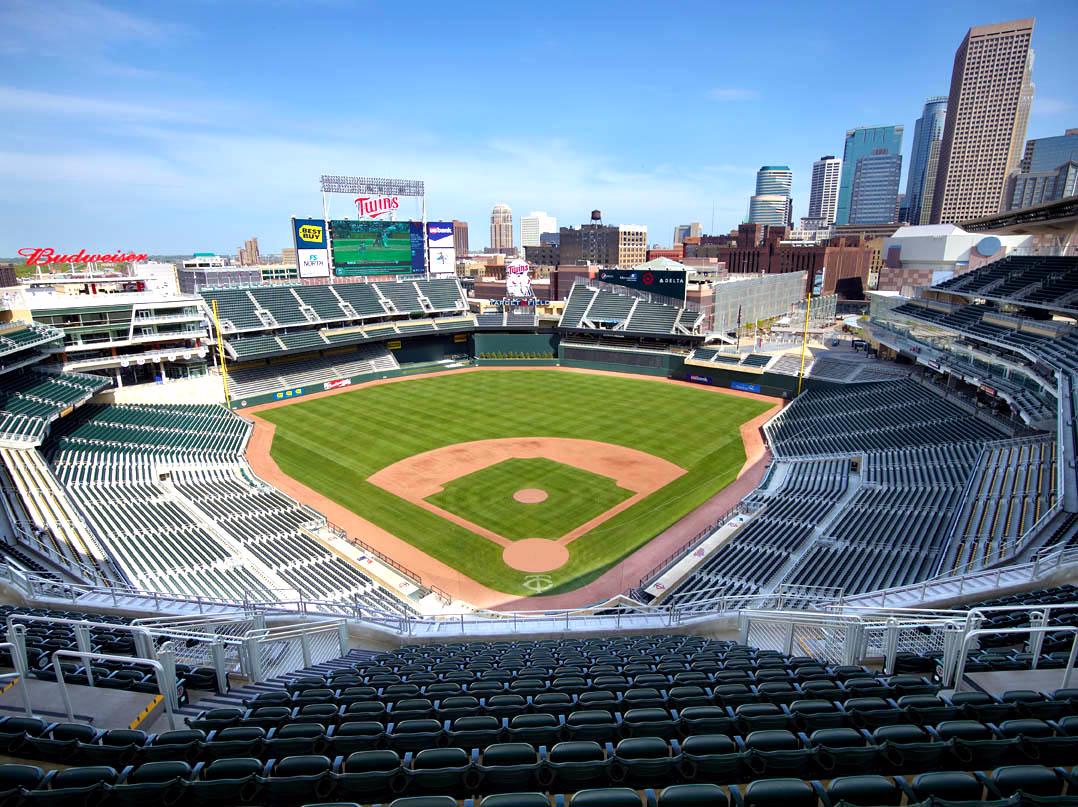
45	519
167	489
1012	487
839	369
269	525
263	379
30	400
1034	280
262	322
911	455
894	529
157	544
758	553
25	343
264	307
599	309
869	417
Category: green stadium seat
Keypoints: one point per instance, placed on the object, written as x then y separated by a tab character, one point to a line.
950	785
509	766
442	770
713	758
643	762
780	793
693	795
302	777
152	782
73	787
864	790
234	741
531	799
576	764
225	782
605	797
370	776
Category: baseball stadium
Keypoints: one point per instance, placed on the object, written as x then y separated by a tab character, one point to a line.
369	540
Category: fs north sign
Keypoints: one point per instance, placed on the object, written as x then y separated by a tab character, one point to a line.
373	207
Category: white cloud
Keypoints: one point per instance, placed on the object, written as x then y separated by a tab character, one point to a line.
30	102
732	94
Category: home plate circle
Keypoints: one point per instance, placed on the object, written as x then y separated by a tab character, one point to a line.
530	495
535	555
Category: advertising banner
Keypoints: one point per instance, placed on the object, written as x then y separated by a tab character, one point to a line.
376	247
443	255
443	261
744	386
312	247
313	262
666	284
309	233
337	383
518	282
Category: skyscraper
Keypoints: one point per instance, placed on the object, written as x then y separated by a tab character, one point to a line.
683	231
501	229
534	225
874	199
927	130
987	112
460	237
862	142
1049	171
823	198
772	183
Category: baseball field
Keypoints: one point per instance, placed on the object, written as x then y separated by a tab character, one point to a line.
525	481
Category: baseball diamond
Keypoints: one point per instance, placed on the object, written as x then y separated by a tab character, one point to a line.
620	459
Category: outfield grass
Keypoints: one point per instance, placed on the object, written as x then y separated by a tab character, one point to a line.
333	444
574	496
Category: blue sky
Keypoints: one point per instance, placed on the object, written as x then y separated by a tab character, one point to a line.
171	128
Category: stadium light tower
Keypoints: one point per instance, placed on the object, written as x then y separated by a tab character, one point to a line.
375	186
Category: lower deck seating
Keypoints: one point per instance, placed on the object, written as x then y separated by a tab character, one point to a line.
264	379
751	559
269	525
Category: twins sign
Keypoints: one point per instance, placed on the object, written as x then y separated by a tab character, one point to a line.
518	282
373	207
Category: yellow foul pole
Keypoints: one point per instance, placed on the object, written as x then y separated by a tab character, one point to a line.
221	355
804	340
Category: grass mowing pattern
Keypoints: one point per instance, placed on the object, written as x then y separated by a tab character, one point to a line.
333	444
486	497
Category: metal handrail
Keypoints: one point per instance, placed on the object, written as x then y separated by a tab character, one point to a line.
158	668
967	640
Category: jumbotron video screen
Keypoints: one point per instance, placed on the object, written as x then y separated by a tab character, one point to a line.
376	247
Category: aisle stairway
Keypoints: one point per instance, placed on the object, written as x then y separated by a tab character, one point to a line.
236	696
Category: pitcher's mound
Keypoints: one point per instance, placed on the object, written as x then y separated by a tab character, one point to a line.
535	555
530	495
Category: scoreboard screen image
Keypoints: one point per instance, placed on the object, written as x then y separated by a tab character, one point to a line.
376	247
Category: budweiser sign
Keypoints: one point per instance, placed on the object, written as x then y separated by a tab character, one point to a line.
371	207
44	256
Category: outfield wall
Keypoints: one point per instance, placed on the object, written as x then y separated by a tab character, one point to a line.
546	343
664	365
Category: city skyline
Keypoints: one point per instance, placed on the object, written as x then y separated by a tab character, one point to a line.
145	145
